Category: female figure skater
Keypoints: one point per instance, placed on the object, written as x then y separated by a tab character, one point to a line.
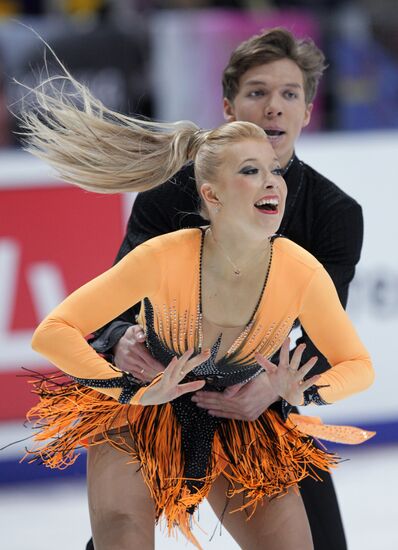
217	303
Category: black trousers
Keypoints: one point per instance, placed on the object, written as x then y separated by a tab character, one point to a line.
323	514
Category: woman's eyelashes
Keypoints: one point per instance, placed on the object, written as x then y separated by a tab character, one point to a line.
249	170
252	170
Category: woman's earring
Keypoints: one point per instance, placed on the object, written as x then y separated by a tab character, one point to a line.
218	207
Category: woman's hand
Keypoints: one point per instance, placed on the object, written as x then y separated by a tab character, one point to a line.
169	387
286	378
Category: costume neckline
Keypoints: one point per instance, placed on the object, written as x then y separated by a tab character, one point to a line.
245	331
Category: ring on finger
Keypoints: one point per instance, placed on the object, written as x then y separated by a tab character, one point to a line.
142	371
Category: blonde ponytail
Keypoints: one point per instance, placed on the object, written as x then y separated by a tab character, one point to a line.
107	152
96	148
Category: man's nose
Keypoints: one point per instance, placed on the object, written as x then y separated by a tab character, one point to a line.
273	107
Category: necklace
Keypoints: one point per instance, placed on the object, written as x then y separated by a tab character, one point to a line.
237	270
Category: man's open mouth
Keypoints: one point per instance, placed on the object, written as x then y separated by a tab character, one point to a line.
274	133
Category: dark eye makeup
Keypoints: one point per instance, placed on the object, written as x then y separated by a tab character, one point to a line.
252	170
248	170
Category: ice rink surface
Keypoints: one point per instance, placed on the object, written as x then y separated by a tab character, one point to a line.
54	515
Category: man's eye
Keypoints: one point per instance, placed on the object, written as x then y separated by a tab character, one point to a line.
255	93
248	171
290	95
277	171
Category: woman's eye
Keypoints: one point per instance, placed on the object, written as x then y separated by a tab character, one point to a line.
277	171
290	95
248	171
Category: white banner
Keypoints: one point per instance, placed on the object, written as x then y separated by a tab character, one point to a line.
362	164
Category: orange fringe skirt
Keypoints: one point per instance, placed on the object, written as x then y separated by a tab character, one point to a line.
261	458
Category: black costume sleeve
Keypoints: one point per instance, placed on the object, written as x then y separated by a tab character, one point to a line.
169	207
337	245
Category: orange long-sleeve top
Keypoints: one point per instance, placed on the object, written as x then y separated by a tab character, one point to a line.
166	271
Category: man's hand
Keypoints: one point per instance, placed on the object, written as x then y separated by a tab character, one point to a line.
241	402
132	356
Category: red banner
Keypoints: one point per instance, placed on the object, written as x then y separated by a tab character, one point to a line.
52	240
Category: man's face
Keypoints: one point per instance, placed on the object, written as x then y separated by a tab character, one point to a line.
272	96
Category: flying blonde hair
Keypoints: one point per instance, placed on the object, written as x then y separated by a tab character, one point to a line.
104	151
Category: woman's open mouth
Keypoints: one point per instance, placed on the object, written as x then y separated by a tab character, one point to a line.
267	205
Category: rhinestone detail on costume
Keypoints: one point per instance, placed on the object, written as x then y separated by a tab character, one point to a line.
128	384
310	396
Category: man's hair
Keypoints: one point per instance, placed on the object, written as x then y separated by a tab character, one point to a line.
273	45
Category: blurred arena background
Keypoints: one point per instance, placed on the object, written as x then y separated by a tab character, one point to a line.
164	59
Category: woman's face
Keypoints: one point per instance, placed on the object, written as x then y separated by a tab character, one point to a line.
248	188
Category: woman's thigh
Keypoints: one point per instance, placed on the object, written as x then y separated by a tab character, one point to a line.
121	509
278	524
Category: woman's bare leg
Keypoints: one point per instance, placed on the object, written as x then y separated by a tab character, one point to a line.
121	510
280	524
